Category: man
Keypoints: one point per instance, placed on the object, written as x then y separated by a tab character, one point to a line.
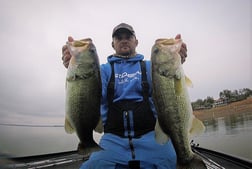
127	109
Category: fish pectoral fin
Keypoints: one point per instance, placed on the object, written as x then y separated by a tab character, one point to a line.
197	127
188	82
68	127
99	127
178	74
160	136
71	76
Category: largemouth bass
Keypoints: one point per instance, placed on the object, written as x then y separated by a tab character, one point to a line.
171	99
83	94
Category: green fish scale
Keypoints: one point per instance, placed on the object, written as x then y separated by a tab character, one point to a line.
82	103
83	93
173	112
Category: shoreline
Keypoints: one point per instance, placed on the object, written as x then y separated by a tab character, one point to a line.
244	106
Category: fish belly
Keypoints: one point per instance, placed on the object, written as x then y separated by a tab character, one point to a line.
173	113
83	110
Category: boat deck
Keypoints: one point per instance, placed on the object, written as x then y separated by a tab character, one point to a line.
72	160
64	160
215	159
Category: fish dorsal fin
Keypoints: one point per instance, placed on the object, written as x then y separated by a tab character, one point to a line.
197	127
160	136
68	127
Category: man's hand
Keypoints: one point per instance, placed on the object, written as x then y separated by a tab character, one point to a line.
66	56
183	50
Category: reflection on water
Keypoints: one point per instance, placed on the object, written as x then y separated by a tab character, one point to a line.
23	140
230	134
231	124
26	141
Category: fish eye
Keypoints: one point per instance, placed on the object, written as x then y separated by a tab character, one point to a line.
92	50
156	50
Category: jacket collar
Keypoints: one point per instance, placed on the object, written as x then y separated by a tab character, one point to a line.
115	58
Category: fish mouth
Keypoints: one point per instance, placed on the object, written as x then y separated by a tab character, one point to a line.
79	45
164	41
161	45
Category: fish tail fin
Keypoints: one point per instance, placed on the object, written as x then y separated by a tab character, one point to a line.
99	127
197	127
87	149
160	136
195	162
68	127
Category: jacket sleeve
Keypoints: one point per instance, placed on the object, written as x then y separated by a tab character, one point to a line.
148	71
105	77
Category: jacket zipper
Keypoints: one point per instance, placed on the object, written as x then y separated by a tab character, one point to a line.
129	135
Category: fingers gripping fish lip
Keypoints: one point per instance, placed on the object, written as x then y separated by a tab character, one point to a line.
165	41
166	57
79	45
82	51
174	45
82	42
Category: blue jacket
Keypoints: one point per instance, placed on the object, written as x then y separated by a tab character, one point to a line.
127	81
116	150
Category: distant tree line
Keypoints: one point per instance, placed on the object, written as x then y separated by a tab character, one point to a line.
225	97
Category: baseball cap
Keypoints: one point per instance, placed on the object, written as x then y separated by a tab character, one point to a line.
123	26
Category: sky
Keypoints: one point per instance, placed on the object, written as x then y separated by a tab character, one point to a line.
218	35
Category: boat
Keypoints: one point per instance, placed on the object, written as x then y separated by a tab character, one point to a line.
219	160
72	160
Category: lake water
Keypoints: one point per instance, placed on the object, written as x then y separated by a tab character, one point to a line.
232	135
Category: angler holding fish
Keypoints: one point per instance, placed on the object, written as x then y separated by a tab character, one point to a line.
127	110
175	114
83	92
